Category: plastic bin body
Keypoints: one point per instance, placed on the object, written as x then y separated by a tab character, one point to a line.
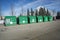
39	19
10	20
45	18
32	19
23	20
50	18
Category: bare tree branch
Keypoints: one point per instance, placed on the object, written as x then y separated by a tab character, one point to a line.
12	9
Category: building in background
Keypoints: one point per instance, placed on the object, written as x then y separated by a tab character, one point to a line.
0	17
3	17
58	15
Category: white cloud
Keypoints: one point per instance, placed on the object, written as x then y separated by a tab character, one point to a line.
34	4
17	9
25	7
52	6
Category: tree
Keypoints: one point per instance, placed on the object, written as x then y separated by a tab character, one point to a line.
45	12
48	13
20	14
28	12
41	12
32	12
36	13
58	13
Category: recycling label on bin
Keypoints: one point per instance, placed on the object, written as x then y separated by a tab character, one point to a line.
7	21
11	22
23	21
33	20
40	20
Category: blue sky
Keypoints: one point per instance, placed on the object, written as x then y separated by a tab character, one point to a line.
6	5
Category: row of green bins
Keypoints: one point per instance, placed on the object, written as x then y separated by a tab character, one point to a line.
10	20
50	18
23	19
32	19
39	19
45	18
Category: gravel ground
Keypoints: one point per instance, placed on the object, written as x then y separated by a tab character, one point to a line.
36	31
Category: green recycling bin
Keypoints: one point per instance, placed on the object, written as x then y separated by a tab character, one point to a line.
23	19
10	20
39	19
50	18
45	18
32	19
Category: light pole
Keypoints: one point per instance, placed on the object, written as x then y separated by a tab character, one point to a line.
54	16
0	10
22	9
